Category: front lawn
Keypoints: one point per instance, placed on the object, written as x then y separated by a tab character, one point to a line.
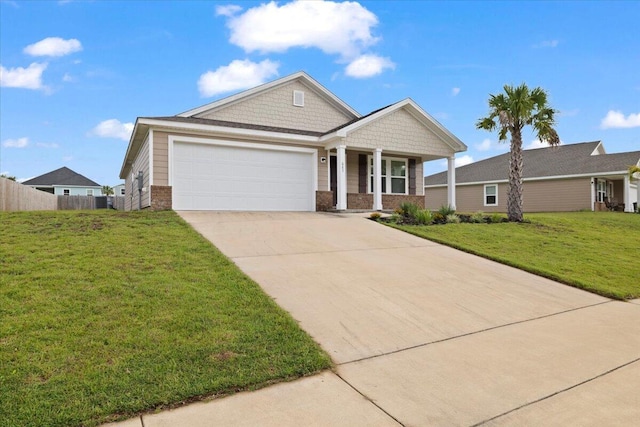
596	251
107	314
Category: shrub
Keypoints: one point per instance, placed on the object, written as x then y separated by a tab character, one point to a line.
446	210
477	217
409	209
395	217
453	219
438	218
375	216
495	218
424	217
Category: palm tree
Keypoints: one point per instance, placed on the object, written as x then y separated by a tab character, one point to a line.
107	190
510	112
634	170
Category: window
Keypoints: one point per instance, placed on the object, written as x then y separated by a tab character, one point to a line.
122	191
298	98
602	190
65	192
89	192
394	175
491	195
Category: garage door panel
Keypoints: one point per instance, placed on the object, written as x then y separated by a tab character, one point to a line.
215	177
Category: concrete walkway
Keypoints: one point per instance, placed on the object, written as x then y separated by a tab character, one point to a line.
422	334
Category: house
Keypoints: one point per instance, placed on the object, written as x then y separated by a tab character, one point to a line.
288	145
564	178
118	190
65	182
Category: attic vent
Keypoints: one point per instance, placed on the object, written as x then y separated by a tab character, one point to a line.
298	98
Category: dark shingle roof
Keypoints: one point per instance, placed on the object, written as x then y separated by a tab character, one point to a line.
571	159
62	176
212	122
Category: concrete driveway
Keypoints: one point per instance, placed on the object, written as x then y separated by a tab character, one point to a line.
422	334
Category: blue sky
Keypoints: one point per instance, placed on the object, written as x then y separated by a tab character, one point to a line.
76	74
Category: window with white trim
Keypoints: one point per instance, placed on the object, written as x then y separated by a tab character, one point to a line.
65	192
601	190
394	175
122	191
491	195
89	192
298	98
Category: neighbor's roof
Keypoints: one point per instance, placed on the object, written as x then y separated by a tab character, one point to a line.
564	160
62	176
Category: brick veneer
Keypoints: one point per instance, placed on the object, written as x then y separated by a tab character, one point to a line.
389	201
161	198
324	201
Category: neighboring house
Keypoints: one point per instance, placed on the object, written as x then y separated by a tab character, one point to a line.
288	145
564	178
65	182
118	190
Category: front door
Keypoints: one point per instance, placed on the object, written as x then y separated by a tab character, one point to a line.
333	178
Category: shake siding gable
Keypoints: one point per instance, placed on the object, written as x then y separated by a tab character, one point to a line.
401	132
275	108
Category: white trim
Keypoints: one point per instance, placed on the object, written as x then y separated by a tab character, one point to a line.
232	131
593	193
301	75
150	158
484	200
172	139
388	178
414	109
626	194
298	98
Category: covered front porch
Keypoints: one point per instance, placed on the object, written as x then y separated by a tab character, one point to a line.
376	162
614	193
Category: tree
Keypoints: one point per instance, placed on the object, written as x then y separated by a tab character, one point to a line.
9	177
510	112
634	170
107	190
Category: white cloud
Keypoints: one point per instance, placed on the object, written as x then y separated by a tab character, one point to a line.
47	145
53	46
68	78
16	143
335	28
546	43
536	143
235	76
455	91
615	119
463	160
26	78
113	128
485	145
368	66
228	10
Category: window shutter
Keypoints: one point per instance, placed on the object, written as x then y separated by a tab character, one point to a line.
362	173
412	176
298	98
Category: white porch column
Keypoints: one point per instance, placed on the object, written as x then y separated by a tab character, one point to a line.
593	194
377	179
638	190
628	207
342	177
451	181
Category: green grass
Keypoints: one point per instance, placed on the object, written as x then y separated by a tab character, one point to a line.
595	251
104	315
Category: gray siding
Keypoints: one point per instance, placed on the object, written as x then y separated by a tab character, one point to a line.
141	163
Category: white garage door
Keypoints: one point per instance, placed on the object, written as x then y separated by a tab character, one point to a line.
218	177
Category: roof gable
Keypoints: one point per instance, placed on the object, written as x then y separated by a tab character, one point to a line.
411	124
62	176
565	160
271	104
